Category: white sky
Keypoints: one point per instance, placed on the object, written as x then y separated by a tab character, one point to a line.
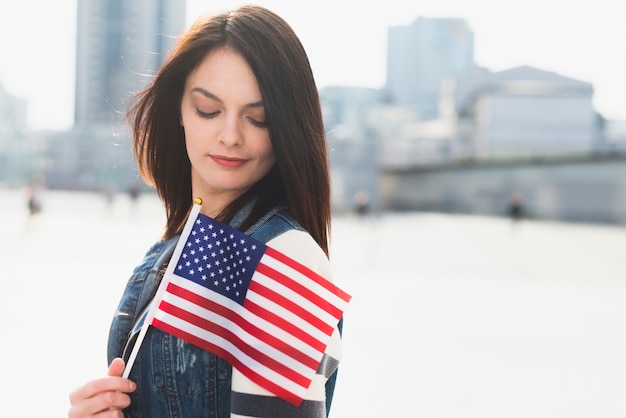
346	42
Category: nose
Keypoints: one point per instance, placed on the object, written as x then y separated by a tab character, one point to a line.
230	133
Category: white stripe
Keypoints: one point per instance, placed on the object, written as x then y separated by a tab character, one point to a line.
288	316
251	317
316	288
248	338
205	335
298	299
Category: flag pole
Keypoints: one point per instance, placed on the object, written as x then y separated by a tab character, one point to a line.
197	203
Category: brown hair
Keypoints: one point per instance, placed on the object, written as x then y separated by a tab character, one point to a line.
300	177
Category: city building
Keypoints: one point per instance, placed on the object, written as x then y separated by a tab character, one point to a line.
525	112
120	44
421	55
13	113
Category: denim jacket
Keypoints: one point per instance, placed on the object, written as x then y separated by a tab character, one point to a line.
173	377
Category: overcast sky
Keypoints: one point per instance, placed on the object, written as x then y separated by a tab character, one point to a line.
346	43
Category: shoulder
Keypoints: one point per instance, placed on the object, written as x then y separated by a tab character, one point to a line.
300	246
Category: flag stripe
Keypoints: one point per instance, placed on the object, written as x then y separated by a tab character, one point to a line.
314	300
258	288
306	329
320	280
280	390
226	334
304	304
209	310
304	280
282	323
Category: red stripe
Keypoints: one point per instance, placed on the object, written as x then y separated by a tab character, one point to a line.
228	335
281	322
298	288
322	281
278	390
252	329
296	309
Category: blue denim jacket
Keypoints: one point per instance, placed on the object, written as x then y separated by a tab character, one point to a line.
175	378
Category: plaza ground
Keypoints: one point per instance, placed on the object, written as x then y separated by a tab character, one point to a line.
452	316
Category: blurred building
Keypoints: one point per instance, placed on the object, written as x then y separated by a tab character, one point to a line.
526	112
15	150
120	45
420	56
519	114
13	113
353	144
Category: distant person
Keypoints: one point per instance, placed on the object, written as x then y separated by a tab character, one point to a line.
233	117
516	207
133	192
109	194
362	202
33	198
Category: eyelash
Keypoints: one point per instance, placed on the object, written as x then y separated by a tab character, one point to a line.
213	114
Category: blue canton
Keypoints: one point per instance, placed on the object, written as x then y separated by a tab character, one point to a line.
220	258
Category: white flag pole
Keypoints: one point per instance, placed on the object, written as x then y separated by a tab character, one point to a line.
163	285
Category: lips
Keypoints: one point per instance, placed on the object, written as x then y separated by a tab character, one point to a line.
228	162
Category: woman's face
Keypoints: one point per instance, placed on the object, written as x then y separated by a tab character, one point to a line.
226	134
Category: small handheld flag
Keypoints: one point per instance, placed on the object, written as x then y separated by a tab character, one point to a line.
266	314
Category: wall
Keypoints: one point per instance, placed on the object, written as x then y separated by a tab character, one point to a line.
584	190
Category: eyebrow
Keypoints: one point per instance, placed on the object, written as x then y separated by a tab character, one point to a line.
212	96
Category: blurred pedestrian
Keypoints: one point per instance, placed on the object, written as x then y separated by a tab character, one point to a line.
362	202
33	198
516	207
233	117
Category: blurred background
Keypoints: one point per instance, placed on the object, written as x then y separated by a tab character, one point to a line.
479	190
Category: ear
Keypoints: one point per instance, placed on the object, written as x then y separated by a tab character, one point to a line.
180	120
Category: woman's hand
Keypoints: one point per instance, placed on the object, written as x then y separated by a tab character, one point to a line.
105	397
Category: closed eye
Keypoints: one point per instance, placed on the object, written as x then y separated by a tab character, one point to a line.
258	123
206	115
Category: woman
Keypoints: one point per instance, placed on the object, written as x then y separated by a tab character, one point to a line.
233	117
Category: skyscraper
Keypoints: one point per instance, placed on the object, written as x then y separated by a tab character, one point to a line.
421	55
120	44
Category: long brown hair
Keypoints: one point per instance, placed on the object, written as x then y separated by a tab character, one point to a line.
301	176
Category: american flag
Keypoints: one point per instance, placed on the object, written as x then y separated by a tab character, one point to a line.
266	314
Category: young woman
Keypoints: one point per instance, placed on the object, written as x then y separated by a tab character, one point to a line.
233	117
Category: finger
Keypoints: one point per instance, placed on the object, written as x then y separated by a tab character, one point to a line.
116	368
106	404
99	386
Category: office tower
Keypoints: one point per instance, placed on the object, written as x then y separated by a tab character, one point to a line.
120	44
423	54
